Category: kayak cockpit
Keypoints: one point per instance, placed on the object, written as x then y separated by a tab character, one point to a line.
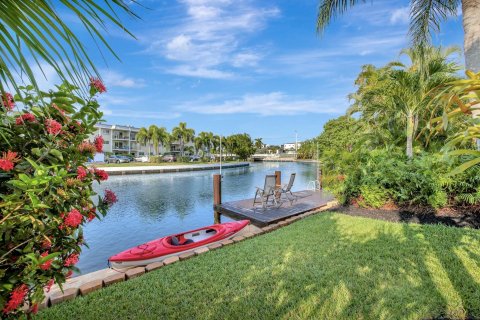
187	238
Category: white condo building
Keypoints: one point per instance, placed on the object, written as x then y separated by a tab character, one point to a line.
120	139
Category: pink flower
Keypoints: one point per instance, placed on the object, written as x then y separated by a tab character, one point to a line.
53	127
7	101
73	218
7	161
98	142
98	85
24	118
62	112
69	274
110	198
81	173
71	260
47	264
87	147
16	298
49	285
101	174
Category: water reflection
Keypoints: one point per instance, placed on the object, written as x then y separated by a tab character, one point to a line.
154	205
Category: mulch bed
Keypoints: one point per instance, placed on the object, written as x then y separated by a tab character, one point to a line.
450	217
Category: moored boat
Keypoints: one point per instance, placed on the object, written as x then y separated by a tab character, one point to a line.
160	249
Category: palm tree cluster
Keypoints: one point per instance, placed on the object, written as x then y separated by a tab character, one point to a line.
204	143
394	102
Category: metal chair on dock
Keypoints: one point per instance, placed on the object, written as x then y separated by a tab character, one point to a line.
268	194
287	189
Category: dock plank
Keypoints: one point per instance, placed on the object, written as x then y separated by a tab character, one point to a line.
244	209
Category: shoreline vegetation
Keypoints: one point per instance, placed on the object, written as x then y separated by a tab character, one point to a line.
327	265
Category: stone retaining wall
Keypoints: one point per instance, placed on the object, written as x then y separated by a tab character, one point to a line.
170	169
85	284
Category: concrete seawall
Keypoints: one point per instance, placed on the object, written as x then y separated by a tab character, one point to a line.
173	168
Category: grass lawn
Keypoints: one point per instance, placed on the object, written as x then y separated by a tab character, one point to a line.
328	266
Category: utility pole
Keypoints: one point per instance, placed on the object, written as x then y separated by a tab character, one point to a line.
296	143
220	155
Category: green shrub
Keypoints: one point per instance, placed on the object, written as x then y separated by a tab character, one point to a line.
183	159
155	159
45	190
373	196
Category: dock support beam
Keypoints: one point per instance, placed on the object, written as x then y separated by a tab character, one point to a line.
278	178
217	196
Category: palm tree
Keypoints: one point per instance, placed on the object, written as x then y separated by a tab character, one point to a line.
163	136
38	28
258	143
143	137
399	95
425	16
183	134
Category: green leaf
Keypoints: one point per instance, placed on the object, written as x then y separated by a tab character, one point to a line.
57	154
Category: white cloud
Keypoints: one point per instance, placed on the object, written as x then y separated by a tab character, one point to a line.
400	16
210	39
245	59
115	79
270	104
200	72
140	115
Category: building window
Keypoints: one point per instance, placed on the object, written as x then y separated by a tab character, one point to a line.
106	142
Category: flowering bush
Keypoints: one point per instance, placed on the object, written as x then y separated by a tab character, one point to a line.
46	191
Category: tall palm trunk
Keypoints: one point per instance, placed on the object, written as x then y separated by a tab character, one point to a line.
471	42
471	27
410	125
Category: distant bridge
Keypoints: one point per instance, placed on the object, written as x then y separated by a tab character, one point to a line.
272	157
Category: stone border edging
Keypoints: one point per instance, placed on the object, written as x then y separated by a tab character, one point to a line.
94	285
113	171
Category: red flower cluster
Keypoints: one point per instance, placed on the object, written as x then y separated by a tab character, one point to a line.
110	198
53	127
7	161
47	264
16	298
98	85
73	218
7	101
81	173
98	142
101	174
71	260
24	118
87	147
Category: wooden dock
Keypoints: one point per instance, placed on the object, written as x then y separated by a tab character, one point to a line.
244	209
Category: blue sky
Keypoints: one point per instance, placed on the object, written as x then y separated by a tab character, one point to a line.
231	66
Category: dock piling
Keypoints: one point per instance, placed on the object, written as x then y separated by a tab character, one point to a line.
278	178
217	196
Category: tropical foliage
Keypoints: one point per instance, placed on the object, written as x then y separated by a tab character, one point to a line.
45	190
413	107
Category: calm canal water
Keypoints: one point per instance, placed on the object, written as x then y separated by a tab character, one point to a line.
155	205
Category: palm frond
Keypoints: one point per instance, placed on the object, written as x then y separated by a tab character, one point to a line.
329	9
427	15
33	33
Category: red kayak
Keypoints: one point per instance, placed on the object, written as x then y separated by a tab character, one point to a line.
160	249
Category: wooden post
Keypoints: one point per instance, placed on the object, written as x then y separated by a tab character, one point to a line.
278	178
217	196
